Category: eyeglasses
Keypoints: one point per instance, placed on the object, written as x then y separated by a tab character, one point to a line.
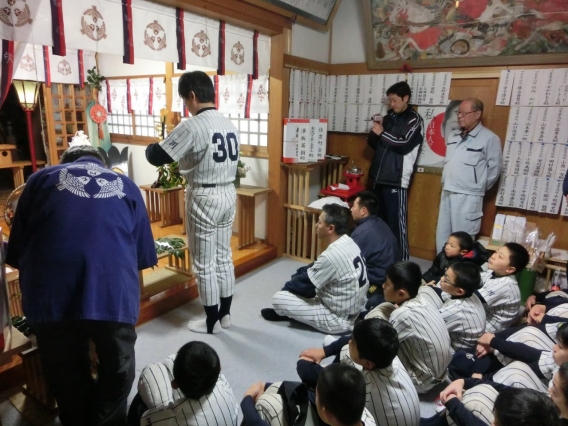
445	278
463	113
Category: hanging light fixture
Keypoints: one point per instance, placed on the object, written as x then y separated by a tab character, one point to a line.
27	94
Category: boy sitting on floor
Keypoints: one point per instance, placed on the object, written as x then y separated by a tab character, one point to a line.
500	293
391	396
339	400
460	247
462	312
425	349
185	389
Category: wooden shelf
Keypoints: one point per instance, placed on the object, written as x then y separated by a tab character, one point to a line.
301	240
66	112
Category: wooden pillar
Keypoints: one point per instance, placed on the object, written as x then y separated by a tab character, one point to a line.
279	87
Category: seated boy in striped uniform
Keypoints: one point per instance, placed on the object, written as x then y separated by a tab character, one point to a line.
328	294
425	349
339	400
462	311
184	389
488	403
500	292
548	307
373	346
542	362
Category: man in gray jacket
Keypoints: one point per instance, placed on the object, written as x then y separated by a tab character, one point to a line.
472	165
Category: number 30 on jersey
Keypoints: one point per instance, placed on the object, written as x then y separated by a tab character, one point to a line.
227	147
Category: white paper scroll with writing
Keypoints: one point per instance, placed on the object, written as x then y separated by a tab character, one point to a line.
564	207
528	124
534	194
534	85
505	89
562	162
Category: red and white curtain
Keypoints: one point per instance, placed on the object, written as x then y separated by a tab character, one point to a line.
71	68
29	62
36	62
201	40
158	95
117	96
27	21
140	94
263	54
135	28
177	100
259	96
239	53
154	31
93	25
232	92
103	95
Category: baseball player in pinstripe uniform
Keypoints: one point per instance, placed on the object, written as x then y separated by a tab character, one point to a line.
207	148
187	388
339	400
488	403
543	363
500	292
425	349
391	396
548	307
330	293
462	312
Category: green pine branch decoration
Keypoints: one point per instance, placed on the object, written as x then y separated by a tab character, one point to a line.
172	246
94	79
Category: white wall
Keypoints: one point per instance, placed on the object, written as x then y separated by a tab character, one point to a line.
309	43
112	66
348	35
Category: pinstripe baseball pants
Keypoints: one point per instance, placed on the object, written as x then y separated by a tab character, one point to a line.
210	213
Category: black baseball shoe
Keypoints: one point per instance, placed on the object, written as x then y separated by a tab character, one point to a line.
270	314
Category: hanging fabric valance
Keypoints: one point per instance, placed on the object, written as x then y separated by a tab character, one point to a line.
136	29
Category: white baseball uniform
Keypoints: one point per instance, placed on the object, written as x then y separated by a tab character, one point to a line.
391	396
502	300
530	336
340	277
428	295
207	148
464	317
425	349
519	375
270	408
465	321
169	407
557	311
479	400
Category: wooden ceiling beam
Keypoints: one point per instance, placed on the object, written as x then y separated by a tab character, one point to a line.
236	12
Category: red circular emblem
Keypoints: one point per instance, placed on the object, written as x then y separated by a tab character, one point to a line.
434	136
98	113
